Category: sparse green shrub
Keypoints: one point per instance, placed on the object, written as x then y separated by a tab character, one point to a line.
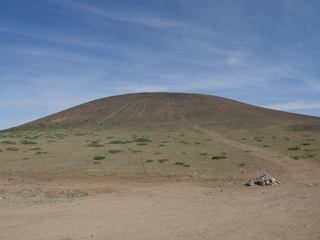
99	157
309	150
136	151
203	154
244	139
37	148
305	144
25	158
165	142
163	160
39	153
197	143
162	145
149	160
28	142
247	151
294	148
182	164
95	144
310	139
266	146
115	151
1	150
119	142
219	157
179	163
242	164
142	140
184	153
186	143
297	157
157	153
13	149
142	144
311	155
96	162
109	137
208	139
52	140
9	142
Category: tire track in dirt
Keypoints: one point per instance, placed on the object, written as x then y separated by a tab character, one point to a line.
298	169
114	113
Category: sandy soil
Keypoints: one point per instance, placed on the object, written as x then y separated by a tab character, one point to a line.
177	210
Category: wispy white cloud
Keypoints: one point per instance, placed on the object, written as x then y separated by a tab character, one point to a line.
296	105
129	16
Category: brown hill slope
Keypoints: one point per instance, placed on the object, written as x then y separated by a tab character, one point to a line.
154	107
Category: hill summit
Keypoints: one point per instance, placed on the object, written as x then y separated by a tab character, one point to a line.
155	107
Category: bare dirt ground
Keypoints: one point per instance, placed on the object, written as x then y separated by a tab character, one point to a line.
176	210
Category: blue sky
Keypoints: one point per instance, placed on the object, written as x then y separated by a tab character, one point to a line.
56	54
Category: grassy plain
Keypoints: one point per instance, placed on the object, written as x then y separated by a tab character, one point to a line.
53	154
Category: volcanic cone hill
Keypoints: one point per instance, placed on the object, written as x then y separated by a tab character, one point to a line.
156	107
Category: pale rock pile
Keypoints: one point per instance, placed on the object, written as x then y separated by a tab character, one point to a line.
264	180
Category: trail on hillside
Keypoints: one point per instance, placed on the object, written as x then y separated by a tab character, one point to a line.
298	169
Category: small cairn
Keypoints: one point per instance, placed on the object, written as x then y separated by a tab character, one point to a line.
264	180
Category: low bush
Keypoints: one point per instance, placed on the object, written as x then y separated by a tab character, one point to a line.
162	145
142	140
179	163
96	162
297	157
149	160
39	153
311	155
99	157
9	142
109	137
294	148
28	142
266	146
95	144
115	151
119	142
182	164
13	149
242	164
157	153
163	160
219	157
305	144
37	148
203	154
136	151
